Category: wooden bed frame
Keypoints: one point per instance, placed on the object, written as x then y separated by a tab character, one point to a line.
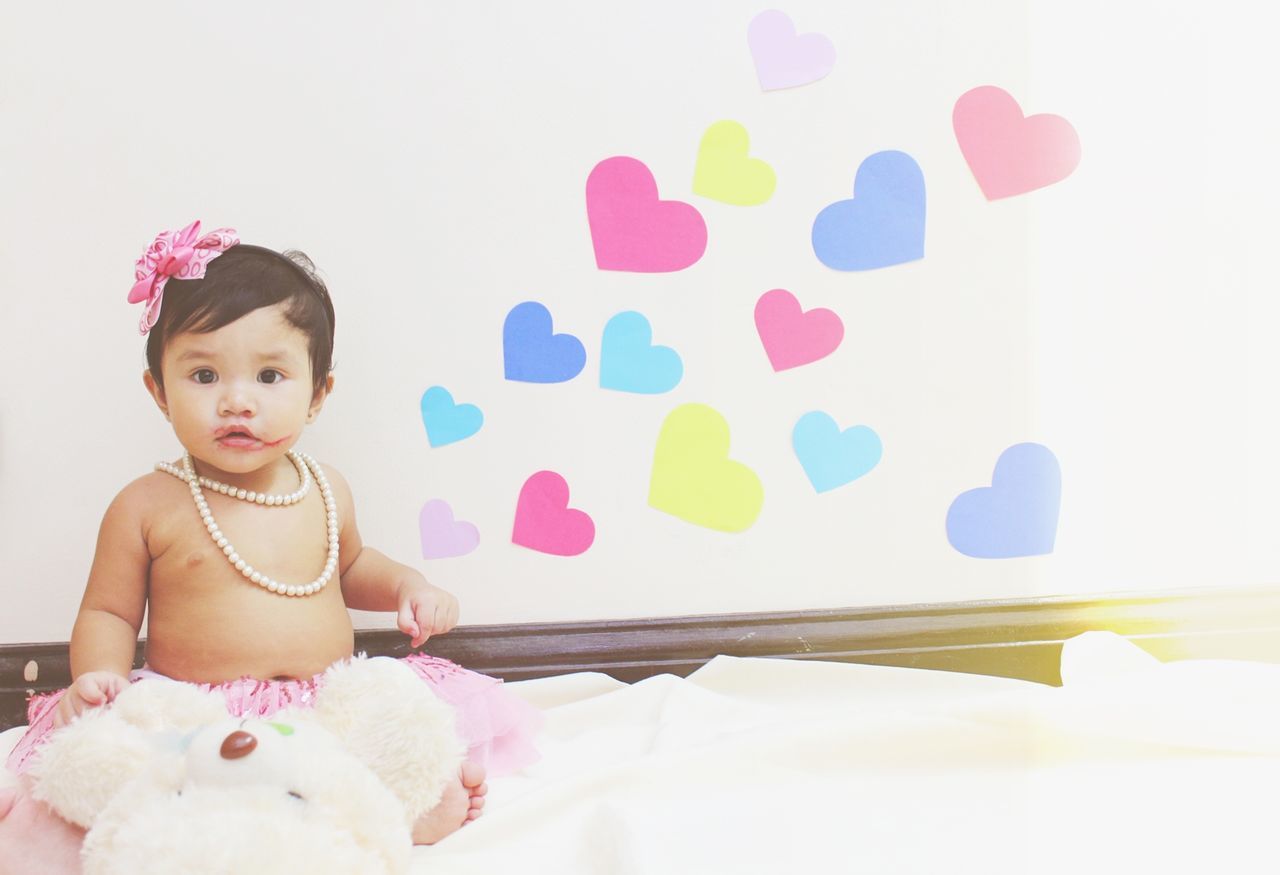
1018	638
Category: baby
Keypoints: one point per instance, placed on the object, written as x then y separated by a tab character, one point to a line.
244	552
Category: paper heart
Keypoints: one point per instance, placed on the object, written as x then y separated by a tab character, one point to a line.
791	336
531	353
725	173
630	363
831	457
693	477
445	421
1010	154
784	59
631	229
544	520
442	536
1017	515
883	224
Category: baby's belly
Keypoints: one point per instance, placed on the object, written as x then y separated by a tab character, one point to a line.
214	631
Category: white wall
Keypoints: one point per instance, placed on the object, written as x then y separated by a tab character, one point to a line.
432	159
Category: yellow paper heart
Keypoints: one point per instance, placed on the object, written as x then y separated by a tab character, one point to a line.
725	173
693	477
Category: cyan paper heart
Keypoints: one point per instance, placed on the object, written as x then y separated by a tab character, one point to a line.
831	457
447	422
630	363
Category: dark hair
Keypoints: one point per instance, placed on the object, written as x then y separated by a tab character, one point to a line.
239	281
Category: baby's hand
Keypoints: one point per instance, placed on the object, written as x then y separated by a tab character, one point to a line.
425	610
91	690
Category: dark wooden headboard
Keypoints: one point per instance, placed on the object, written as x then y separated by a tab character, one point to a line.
1018	638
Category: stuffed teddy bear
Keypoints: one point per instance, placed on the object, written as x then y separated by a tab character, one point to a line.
165	781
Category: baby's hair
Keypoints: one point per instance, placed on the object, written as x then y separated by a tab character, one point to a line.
239	281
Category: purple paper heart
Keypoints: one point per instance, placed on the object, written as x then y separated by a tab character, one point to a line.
783	58
1017	515
442	536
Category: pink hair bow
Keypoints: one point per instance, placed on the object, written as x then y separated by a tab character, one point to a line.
183	254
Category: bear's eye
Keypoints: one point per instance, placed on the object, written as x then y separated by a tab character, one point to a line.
295	795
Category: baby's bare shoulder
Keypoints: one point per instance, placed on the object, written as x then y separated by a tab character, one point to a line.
146	496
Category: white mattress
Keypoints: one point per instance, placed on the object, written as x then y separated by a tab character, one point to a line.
754	765
785	766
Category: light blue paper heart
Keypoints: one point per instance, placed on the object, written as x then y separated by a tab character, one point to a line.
630	363
447	422
1017	515
831	457
883	224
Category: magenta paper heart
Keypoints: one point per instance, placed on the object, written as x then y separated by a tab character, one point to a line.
791	336
442	537
544	520
784	59
631	229
1010	154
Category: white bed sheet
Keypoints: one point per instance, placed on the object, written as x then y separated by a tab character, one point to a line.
753	765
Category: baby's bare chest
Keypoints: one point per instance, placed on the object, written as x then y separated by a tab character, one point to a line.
285	543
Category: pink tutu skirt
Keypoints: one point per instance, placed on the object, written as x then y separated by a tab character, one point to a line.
497	727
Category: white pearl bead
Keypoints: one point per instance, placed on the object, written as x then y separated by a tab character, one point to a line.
271	584
292	590
239	564
240	493
222	541
234	557
250	496
256	577
228	549
247	571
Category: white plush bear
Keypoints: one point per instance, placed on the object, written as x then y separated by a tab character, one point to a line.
165	781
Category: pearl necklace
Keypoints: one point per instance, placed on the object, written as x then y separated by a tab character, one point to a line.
304	480
289	589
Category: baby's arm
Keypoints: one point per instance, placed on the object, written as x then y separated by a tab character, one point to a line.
106	629
374	582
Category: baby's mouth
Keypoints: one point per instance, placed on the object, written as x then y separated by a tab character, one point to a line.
235	436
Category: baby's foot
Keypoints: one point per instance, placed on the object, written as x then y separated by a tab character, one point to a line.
461	803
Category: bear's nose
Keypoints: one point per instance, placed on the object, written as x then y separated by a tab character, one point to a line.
238	744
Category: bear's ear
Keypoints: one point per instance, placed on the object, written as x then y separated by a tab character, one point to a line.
85	764
391	721
82	766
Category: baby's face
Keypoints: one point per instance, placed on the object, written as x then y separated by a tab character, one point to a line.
240	396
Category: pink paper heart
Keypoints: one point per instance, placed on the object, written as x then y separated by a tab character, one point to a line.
1010	154
784	59
544	520
631	229
442	536
792	336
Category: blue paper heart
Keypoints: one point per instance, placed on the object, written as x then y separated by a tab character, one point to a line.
831	457
1017	515
882	224
447	422
630	363
532	354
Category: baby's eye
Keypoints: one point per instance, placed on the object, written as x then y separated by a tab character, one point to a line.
204	375
270	375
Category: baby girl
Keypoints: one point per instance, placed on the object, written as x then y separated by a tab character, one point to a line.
244	552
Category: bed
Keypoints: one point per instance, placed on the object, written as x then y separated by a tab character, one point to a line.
767	765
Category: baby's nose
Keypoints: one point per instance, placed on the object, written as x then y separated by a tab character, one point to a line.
238	744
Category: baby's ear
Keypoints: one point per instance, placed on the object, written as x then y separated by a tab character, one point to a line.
156	390
317	400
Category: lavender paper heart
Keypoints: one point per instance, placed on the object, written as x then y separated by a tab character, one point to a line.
783	58
442	536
